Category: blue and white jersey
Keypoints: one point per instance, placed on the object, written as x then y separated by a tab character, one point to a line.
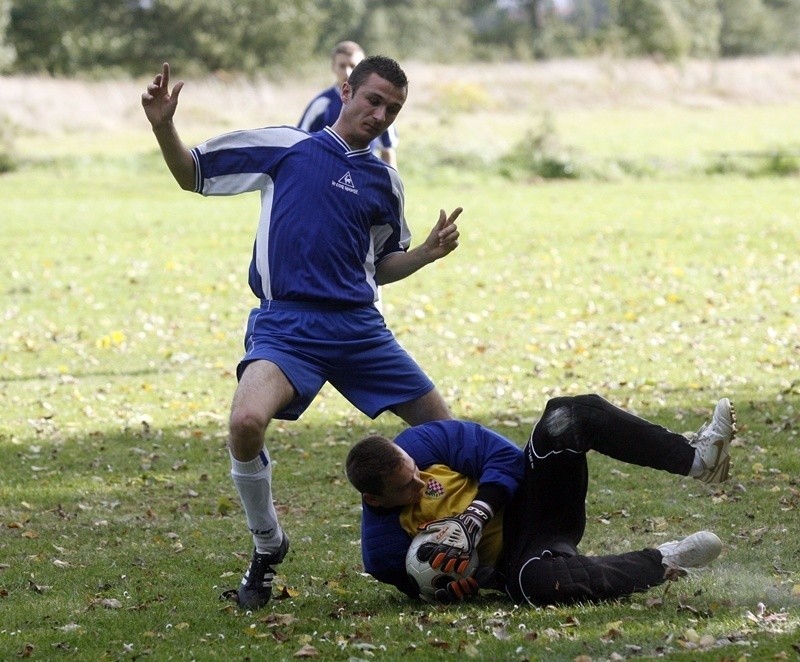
329	213
324	110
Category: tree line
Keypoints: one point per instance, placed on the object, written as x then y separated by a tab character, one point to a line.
86	37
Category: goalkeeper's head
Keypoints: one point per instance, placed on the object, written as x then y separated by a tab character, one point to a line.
384	474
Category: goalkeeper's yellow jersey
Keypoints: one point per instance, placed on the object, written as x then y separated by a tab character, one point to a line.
448	493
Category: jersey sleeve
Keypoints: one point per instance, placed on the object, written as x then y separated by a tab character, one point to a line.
384	544
241	161
396	238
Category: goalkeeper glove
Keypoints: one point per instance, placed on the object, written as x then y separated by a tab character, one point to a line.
456	538
457	590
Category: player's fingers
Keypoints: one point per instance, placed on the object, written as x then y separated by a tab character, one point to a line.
433	525
449	566
455	590
449	235
462	566
438	560
453	216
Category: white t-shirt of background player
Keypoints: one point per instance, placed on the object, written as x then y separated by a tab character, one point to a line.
329	213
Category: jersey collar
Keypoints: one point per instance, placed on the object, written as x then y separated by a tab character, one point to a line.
348	150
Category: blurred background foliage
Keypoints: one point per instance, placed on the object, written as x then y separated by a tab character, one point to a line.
274	37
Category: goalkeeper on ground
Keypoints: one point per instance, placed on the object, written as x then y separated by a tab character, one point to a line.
525	510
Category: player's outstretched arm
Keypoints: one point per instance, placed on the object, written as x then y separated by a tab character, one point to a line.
159	107
441	241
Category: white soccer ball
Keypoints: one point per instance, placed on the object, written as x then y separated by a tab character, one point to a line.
426	578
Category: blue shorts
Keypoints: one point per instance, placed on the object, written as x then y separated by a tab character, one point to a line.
349	347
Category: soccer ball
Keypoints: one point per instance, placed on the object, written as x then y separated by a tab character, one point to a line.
426	578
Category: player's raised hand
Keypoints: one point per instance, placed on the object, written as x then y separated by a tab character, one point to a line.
158	102
443	238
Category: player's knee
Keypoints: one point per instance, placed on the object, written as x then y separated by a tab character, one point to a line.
246	427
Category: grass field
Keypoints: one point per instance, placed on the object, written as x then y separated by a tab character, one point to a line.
122	302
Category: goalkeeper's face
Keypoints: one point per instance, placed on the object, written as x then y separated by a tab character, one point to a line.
401	488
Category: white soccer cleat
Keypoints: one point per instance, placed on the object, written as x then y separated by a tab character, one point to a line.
713	441
694	551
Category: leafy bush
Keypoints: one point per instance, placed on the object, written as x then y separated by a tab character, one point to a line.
774	163
654	27
461	96
541	154
7	159
779	164
746	28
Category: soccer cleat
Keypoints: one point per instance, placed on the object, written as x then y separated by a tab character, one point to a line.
255	589
713	441
694	551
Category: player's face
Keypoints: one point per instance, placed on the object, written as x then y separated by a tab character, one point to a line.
369	111
404	487
343	65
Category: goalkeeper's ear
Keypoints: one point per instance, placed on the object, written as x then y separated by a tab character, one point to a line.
371	499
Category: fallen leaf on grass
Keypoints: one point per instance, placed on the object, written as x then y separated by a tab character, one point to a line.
276	620
37	588
765	617
69	627
612	634
108	603
307	651
285	593
26	651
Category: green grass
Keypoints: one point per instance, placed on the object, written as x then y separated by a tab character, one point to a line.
122	302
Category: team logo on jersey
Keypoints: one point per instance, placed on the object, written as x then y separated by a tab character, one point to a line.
434	489
346	183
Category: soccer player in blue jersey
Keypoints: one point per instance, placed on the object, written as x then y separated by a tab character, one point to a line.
524	510
324	109
331	230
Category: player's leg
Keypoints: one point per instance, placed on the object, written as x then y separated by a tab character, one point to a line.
549	508
589	422
548	574
542	527
549	577
429	407
263	390
376	374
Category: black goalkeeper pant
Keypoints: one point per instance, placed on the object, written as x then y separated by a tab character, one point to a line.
546	520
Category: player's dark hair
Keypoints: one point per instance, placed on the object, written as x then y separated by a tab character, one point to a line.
384	66
370	462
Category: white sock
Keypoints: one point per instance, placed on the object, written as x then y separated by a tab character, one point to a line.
253	481
697	466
